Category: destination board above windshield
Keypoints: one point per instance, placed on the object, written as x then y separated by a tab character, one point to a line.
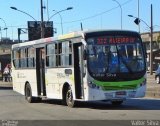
115	40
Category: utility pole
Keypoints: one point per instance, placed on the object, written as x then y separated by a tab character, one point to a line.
42	22
121	11
151	43
1	33
19	33
5	26
81	26
138	17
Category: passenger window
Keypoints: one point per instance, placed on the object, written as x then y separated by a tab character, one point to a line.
31	57
50	55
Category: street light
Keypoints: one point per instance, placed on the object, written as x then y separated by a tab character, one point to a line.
14	8
42	22
121	10
19	29
137	21
5	26
58	12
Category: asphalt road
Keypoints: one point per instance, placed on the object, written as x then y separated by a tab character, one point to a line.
14	107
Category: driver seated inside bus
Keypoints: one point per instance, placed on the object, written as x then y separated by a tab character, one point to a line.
101	61
124	60
113	63
127	59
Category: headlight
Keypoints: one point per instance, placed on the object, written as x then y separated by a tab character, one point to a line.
92	85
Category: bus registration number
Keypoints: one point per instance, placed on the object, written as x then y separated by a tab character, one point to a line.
120	94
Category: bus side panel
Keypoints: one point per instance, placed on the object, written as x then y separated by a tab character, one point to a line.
66	78
52	84
21	77
16	84
55	79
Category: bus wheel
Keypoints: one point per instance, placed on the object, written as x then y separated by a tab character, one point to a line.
28	93
69	98
116	103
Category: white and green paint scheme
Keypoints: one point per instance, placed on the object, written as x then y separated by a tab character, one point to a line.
106	65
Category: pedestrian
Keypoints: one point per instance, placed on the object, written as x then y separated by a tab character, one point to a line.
7	73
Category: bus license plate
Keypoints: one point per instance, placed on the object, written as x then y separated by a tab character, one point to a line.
121	94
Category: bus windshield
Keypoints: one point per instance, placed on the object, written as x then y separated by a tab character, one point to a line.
115	54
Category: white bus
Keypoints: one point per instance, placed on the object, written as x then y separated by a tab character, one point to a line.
106	65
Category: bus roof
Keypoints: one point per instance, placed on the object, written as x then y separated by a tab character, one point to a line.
49	39
111	32
70	35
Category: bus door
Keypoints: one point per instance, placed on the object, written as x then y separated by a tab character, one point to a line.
78	70
40	70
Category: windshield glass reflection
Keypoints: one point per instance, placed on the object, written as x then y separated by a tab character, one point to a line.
114	58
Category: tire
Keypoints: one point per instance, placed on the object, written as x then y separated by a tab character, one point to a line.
117	103
28	94
157	79
69	98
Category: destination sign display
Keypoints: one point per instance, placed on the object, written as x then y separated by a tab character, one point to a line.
115	40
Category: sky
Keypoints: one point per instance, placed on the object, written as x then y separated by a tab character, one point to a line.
93	14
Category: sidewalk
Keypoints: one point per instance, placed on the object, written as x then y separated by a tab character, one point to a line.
5	84
153	89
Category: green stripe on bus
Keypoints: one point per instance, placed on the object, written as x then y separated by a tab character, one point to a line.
123	85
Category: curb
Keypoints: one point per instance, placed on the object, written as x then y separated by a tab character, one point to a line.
5	85
152	94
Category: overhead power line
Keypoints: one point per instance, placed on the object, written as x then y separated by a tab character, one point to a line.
99	14
86	18
17	26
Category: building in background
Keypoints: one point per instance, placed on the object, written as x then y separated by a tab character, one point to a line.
5	54
156	47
